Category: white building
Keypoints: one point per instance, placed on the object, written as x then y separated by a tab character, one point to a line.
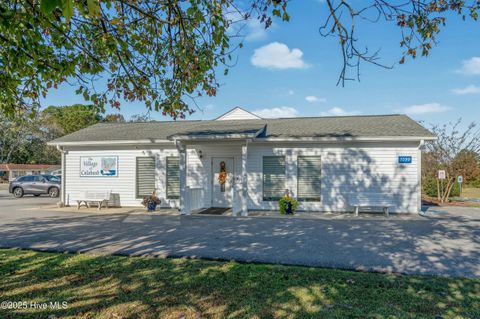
327	163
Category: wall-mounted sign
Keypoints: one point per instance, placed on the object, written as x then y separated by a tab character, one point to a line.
98	166
442	174
404	160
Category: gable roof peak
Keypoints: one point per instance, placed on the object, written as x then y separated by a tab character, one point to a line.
238	113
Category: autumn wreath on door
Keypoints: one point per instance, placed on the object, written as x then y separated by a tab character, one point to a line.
222	177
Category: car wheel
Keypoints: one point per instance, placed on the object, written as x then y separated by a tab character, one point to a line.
53	192
18	192
36	195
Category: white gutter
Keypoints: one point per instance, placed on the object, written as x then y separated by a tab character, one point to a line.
345	139
243	136
119	142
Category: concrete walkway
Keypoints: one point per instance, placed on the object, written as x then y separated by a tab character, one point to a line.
446	245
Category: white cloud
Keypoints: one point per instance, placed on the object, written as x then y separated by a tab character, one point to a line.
471	66
252	29
338	111
208	107
470	89
256	30
418	109
277	112
278	56
314	99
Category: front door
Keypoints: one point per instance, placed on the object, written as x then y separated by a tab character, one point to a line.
222	175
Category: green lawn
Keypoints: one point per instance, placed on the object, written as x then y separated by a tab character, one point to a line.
471	192
128	287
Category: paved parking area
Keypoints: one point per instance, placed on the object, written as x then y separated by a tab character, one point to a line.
443	242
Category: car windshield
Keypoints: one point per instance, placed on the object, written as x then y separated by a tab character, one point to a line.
52	178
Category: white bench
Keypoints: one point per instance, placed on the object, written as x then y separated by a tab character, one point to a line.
372	201
100	198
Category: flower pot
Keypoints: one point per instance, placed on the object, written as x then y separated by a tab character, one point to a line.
152	206
289	210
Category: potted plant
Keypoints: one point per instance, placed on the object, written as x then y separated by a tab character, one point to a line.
287	204
151	202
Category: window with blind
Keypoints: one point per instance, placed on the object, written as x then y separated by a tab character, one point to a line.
173	178
309	169
273	177
145	176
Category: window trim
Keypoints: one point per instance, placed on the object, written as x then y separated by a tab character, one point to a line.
309	199
166	177
273	199
137	196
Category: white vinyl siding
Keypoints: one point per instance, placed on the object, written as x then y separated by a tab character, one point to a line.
309	170
348	169
173	177
145	176
273	177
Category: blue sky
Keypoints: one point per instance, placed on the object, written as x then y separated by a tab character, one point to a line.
290	70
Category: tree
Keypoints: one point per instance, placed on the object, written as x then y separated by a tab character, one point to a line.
420	21
158	52
114	118
63	120
24	138
162	52
141	118
454	151
14	133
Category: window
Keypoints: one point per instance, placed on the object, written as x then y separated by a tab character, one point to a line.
273	177
145	176
52	178
309	178
26	179
38	178
173	177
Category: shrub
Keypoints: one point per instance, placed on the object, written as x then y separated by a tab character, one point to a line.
474	183
283	204
429	187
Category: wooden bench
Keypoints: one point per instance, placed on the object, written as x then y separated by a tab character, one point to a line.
100	198
379	202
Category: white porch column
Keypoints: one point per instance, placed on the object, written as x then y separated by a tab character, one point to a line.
244	192
182	163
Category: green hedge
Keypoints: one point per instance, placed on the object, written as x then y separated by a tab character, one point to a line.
429	188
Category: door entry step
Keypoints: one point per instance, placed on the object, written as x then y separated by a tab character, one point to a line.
214	211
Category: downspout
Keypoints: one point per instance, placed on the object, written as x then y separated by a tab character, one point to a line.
419	167
63	183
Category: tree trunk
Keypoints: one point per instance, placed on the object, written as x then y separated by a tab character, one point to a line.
450	184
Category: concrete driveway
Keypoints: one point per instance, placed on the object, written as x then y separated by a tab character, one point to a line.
440	244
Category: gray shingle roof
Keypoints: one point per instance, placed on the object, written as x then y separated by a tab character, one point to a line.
374	126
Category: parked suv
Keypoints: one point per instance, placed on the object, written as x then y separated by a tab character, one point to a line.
35	185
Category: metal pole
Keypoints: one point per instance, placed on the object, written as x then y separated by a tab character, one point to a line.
441	191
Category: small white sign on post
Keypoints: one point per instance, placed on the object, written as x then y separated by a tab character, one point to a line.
460	179
442	174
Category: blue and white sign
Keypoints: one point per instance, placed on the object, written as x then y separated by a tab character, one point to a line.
98	166
404	160
460	179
